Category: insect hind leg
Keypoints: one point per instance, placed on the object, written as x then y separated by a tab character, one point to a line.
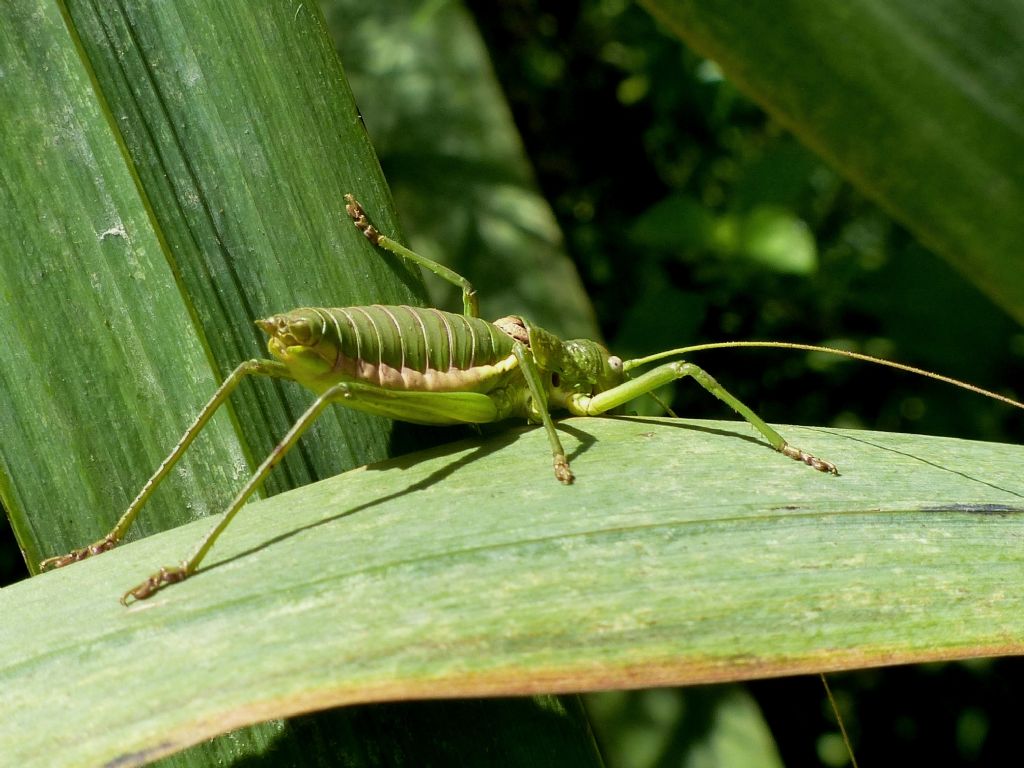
424	407
255	367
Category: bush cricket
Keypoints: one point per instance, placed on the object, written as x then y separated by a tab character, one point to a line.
427	366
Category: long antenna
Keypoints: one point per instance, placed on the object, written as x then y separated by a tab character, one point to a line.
629	364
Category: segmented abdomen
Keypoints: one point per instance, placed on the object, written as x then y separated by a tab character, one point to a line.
403	347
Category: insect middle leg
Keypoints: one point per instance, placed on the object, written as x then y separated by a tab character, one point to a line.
587	405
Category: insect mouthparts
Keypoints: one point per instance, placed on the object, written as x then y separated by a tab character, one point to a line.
268	325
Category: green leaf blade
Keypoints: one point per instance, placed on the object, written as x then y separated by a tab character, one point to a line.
663	564
86	290
251	210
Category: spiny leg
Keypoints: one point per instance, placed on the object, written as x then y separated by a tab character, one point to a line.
173	574
540	406
248	368
586	405
358	215
425	407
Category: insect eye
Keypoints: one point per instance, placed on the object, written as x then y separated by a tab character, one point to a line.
615	363
556	380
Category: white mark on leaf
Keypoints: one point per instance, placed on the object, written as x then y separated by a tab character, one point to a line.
115	231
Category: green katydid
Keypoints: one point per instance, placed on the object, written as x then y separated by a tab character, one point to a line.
427	366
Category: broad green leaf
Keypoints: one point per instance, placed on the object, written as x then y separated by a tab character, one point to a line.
245	138
116	303
921	104
685	552
171	172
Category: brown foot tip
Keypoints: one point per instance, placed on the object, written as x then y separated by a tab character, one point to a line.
811	461
96	548
562	471
352	207
154	583
358	215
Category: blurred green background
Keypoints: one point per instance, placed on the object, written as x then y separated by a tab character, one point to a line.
690	215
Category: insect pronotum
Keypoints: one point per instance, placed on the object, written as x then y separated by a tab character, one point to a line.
432	367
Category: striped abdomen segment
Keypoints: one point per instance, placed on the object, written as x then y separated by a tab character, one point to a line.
401	347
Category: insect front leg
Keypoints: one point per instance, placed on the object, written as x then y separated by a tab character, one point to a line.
587	405
362	222
111	540
531	373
